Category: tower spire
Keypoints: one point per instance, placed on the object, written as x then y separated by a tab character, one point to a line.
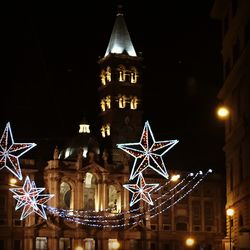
120	41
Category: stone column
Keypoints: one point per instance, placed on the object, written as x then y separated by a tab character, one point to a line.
53	243
79	193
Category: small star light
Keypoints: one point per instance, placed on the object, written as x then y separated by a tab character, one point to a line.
30	198
148	153
10	152
141	190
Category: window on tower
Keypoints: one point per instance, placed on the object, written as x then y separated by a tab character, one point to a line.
108	102
103	77
107	128
134	102
108	74
103	132
133	75
121	74
103	106
122	101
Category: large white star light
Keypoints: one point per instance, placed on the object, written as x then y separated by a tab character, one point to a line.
148	153
11	151
30	198
141	190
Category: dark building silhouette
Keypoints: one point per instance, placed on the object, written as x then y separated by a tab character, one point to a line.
235	95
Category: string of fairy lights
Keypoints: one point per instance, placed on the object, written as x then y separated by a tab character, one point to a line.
147	154
120	220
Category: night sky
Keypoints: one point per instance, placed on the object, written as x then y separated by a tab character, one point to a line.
50	74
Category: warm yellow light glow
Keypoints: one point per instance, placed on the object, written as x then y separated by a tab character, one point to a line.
103	107
79	248
114	244
108	130
230	212
108	102
122	102
189	242
108	74
103	131
103	79
13	181
134	102
175	177
84	128
222	112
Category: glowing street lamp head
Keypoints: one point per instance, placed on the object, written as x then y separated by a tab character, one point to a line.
190	242
223	112
13	181
230	212
175	177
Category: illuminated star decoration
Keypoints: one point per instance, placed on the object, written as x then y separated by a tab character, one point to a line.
30	198
11	151
148	153
141	190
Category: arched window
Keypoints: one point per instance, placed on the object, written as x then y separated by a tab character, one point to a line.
108	102
103	77
121	73
133	75
122	101
89	188
114	202
108	74
108	129
103	107
103	131
66	196
134	102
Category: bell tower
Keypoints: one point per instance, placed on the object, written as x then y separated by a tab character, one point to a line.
120	90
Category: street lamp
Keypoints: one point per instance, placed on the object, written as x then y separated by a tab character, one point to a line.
222	112
190	242
230	213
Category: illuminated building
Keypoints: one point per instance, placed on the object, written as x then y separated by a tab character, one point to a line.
235	94
85	177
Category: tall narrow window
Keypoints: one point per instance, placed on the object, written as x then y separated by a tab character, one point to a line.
89	191
133	75
108	130
108	102
122	101
134	102
65	196
64	243
209	213
108	74
41	243
103	108
103	77
103	132
121	73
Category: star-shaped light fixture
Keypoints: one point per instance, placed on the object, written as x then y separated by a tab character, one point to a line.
11	151
148	153
30	198
141	190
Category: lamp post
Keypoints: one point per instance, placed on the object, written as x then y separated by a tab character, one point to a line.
230	213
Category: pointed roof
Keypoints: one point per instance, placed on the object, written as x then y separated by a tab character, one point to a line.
120	41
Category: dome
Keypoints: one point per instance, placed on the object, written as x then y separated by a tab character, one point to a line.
82	143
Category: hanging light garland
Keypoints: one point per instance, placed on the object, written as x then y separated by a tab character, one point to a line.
112	221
